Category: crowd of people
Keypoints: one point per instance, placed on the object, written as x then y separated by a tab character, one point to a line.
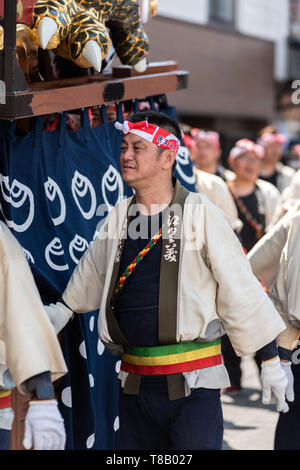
260	195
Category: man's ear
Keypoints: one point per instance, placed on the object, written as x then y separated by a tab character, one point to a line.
168	159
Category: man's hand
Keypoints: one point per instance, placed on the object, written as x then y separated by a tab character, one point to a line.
44	426
274	380
59	315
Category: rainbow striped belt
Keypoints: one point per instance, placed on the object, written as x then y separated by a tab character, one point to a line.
5	399
171	359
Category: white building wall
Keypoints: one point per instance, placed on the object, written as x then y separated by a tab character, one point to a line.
194	11
266	19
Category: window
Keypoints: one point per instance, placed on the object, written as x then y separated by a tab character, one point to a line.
221	11
294	11
295	17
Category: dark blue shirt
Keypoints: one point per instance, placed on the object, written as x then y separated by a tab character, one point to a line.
271	179
136	306
248	233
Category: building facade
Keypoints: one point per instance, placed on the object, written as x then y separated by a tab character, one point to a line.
235	52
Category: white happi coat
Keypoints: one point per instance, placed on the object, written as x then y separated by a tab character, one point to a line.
275	260
28	343
285	176
216	287
265	255
285	293
216	190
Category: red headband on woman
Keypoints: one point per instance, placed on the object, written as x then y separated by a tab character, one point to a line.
246	146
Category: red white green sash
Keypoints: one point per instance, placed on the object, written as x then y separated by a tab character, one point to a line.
5	399
171	359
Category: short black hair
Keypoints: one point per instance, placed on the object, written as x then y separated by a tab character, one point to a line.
268	130
159	119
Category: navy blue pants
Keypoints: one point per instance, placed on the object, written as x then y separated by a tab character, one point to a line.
150	421
287	436
4	439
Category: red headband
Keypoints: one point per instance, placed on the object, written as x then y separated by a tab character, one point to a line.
245	146
268	138
211	137
150	132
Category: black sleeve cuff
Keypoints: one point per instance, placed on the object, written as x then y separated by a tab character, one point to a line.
285	354
269	351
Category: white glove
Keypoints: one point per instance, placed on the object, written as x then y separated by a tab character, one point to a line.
59	315
44	426
274	380
287	367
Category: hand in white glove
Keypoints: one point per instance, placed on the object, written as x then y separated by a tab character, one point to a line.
44	426
59	315
274	380
287	367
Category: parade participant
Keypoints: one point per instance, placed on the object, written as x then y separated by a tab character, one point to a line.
216	190
30	354
265	256
166	298
288	197
272	169
286	298
256	202
276	260
292	156
206	152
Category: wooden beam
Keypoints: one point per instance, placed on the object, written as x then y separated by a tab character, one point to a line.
90	93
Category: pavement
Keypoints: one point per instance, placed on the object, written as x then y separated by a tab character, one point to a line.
248	424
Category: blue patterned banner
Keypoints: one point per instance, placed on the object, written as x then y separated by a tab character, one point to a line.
53	187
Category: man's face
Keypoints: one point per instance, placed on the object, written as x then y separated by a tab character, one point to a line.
205	153
247	167
140	160
273	152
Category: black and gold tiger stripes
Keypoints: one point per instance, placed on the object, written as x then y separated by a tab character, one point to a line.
79	21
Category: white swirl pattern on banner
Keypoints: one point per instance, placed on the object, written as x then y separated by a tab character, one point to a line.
111	182
81	186
78	244
183	162
52	190
16	195
55	250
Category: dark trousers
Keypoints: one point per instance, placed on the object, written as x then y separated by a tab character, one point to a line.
287	435
150	421
233	363
4	439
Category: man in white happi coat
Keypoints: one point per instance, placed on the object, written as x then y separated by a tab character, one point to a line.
169	277
276	261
